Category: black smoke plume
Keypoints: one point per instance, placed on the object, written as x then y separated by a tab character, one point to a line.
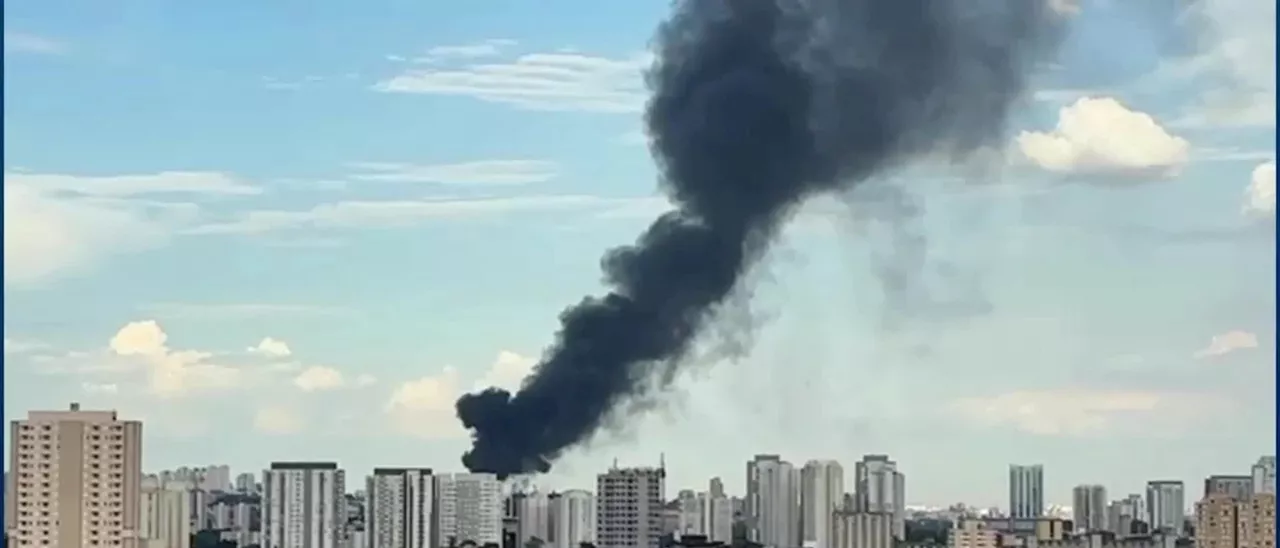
757	105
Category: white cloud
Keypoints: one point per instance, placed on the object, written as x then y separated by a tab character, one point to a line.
1100	136
99	388
1243	52
277	420
16	346
507	371
539	81
1226	343
171	373
486	48
274	348
394	213
423	407
1260	196
22	42
487	172
1071	413
318	379
55	224
365	379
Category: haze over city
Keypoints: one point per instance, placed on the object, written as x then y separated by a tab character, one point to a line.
305	239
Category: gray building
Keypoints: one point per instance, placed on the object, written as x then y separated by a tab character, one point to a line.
1166	505
1026	491
1089	508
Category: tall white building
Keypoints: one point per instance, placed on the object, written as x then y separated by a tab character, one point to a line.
1166	505
1264	475
246	483
165	515
238	516
773	502
862	530
303	505
821	493
881	488
1026	491
533	517
629	507
689	506
76	479
398	507
468	508
1089	508
717	513
574	515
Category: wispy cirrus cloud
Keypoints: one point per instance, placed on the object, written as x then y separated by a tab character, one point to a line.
57	223
25	42
485	172
558	81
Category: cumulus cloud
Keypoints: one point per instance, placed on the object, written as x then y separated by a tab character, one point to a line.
560	81
277	420
57	223
1260	196
171	373
1068	413
423	407
318	379
1100	136
1227	343
271	347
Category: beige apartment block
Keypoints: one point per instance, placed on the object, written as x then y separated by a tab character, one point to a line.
1225	521
75	479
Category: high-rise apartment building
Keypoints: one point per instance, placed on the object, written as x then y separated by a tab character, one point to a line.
468	508
1026	491
717	514
303	505
882	488
1224	521
76	479
689	514
862	530
1123	515
574	516
165	515
1240	487
1165	505
398	507
1264	475
533	514
773	505
1089	508
629	507
246	483
821	494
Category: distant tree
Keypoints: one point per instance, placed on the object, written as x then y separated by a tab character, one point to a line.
586	545
534	542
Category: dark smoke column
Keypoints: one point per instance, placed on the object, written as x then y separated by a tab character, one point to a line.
757	105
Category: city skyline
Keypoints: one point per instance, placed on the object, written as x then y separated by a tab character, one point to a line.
309	240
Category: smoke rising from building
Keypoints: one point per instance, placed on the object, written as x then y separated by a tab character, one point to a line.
757	105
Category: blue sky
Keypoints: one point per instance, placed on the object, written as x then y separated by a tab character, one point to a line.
296	231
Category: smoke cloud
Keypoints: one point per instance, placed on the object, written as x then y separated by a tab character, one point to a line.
756	106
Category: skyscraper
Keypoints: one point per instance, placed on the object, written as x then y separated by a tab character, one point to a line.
164	520
1089	508
398	507
773	509
1264	475
629	507
533	517
882	488
1240	487
1026	491
468	508
821	493
62	460
574	515
1165	505
303	505
1224	521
